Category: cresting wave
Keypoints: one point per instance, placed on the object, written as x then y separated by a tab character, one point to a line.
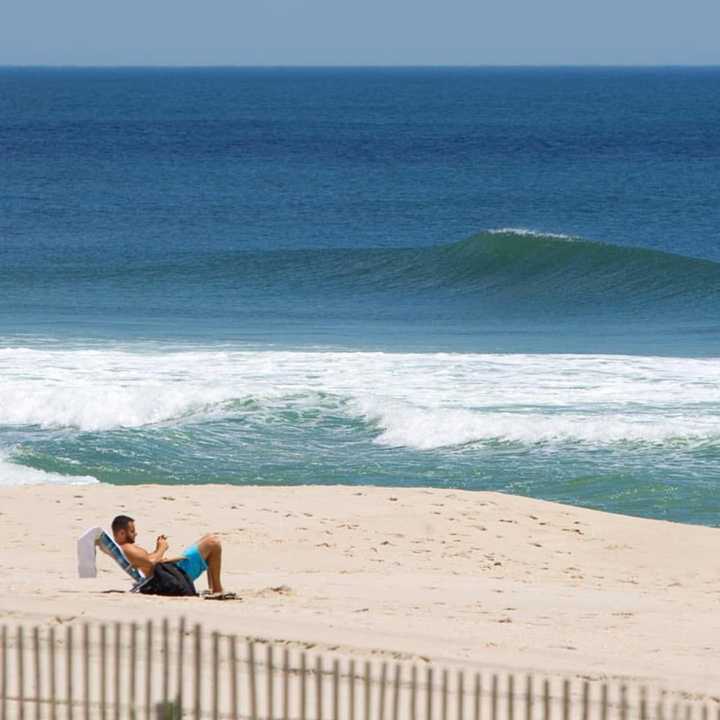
508	270
419	401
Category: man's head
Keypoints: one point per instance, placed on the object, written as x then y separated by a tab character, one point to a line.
123	529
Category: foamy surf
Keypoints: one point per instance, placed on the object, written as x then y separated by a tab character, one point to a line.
12	474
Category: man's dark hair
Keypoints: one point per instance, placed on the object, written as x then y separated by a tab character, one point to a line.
121	522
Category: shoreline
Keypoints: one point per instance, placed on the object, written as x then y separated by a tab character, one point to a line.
478	578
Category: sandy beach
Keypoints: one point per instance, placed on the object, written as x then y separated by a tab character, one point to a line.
483	579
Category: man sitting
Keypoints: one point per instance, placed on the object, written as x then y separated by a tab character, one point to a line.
205	554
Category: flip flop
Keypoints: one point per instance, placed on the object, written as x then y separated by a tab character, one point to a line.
221	596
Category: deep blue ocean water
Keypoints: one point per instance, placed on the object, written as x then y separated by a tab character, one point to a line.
478	278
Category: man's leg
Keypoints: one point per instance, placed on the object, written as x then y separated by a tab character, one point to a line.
211	549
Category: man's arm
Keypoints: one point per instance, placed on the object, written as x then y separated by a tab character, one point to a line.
142	559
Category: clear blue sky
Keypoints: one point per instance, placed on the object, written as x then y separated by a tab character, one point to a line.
359	32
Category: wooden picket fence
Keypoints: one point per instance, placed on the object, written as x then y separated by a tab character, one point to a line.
158	672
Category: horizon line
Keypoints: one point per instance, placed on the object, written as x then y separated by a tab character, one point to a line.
449	66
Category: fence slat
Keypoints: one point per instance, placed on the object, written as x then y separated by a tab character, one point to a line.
396	693
529	697
118	670
478	696
86	669
4	677
336	689
232	642
38	680
383	683
20	672
132	674
368	690
52	675
69	671
198	672
494	697
586	701
103	671
351	690
215	676
511	697
270	680
252	680
566	700
604	701
165	666
413	693
546	699
318	688
303	687
428	694
148	668
444	696
286	684
179	699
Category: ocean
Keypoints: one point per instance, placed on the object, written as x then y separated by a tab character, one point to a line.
488	279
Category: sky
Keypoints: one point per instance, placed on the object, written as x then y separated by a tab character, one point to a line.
359	32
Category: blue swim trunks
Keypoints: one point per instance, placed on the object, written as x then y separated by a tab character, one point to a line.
193	563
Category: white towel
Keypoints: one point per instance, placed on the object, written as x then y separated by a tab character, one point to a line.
86	552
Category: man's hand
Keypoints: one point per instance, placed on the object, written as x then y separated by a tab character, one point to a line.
162	544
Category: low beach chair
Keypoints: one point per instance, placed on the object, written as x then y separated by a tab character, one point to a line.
96	538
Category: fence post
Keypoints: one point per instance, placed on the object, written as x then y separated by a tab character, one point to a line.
623	703
566	700
586	701
546	699
643	704
604	702
103	671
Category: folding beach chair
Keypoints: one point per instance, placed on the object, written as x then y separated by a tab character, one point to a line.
97	538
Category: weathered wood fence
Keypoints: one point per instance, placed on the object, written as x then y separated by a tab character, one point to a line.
159	672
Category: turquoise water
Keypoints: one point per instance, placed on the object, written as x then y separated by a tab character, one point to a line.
485	279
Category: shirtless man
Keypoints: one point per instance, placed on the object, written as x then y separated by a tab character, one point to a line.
205	554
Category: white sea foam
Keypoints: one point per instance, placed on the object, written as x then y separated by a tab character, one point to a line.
420	401
14	474
528	232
